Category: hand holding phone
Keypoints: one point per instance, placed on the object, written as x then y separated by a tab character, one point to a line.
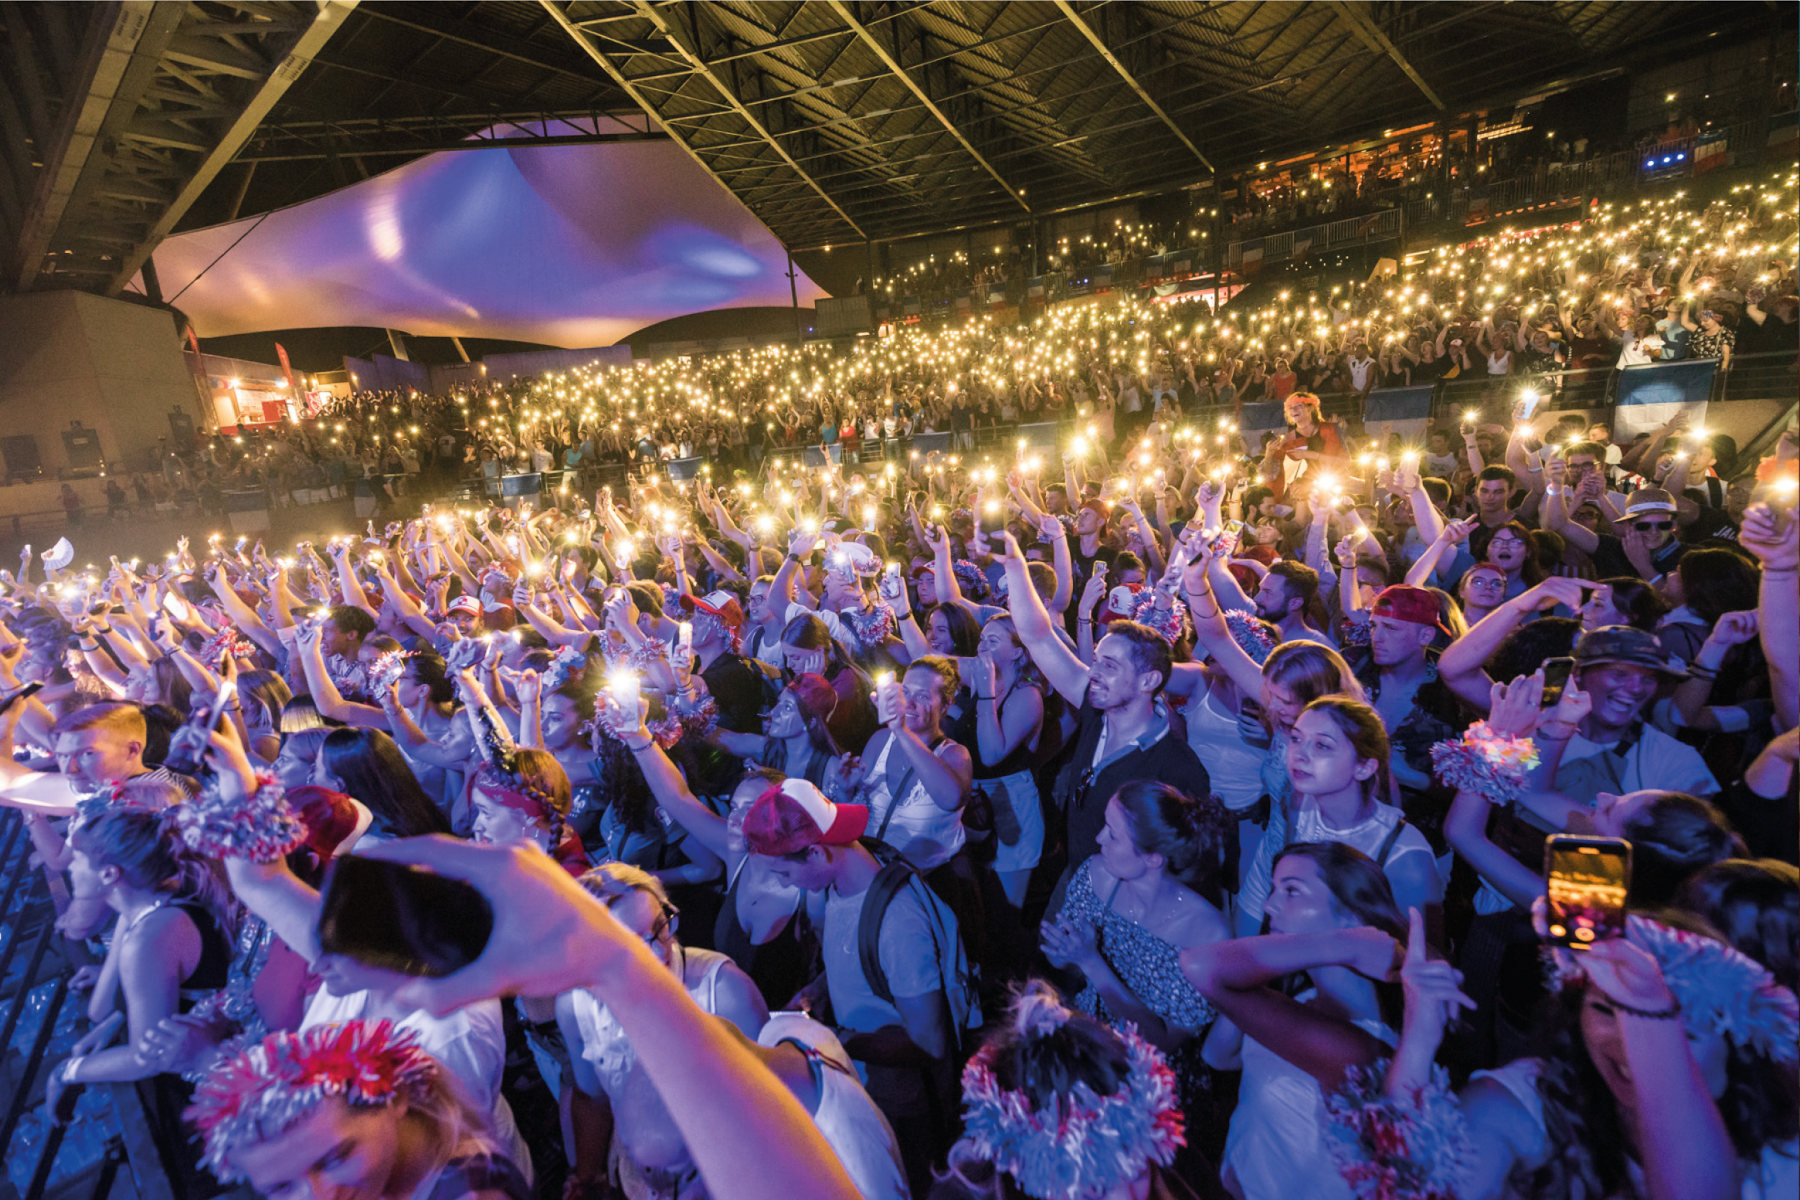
402	919
1587	881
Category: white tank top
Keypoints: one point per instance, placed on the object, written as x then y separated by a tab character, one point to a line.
924	834
605	1046
1234	768
849	1120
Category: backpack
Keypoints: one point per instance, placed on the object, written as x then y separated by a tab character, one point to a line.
958	981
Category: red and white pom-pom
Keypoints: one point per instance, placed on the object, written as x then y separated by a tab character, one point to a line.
261	827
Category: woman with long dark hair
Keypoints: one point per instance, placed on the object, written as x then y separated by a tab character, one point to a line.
1333	920
1664	1067
366	765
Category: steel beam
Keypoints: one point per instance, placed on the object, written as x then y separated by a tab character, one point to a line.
899	72
326	22
1366	29
585	39
692	54
436	145
1087	31
103	69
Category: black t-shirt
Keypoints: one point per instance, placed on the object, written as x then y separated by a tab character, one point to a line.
737	689
1611	560
1168	759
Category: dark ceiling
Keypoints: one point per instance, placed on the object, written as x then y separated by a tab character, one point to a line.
835	121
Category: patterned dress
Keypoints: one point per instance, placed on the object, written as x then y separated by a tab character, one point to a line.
1151	968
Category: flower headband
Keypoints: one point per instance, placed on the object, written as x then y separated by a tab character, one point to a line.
1720	990
568	664
1486	762
1086	1143
263	1089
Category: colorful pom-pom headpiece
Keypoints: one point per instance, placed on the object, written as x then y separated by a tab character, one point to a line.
870	627
970	579
1720	989
1168	622
1087	1144
1251	633
263	1089
568	664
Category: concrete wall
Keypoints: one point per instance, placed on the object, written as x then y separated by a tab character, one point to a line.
115	366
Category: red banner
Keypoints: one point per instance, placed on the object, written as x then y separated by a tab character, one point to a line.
287	368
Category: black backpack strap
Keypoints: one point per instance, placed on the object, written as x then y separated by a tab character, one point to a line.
1387	844
887	884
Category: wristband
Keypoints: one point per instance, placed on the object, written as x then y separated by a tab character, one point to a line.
1084	620
69	1068
648	742
1543	731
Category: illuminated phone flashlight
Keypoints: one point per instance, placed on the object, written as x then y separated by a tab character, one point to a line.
622	686
684	641
321	614
1469	415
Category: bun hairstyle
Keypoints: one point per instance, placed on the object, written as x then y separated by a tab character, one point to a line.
1191	833
1045	1048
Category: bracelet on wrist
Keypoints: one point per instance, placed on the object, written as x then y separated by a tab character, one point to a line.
69	1068
648	742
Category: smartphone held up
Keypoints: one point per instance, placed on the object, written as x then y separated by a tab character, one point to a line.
1588	879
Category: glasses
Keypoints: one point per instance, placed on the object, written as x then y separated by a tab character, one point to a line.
1652	526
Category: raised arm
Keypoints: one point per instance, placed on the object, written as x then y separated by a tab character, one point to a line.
1058	664
1238	975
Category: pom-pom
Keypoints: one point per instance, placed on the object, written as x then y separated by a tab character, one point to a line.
228	642
1721	990
1485	762
971	579
1168	622
568	664
1386	1149
1251	634
262	1090
260	827
869	628
1087	1144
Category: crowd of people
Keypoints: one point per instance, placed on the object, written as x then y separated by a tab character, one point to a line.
1159	814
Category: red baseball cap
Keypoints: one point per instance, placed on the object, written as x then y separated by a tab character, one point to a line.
722	605
793	815
1404	602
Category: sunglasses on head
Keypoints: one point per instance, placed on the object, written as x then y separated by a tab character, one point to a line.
1648	526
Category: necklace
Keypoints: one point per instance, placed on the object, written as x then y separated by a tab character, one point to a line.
134	922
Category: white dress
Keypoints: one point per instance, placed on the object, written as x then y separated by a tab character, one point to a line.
1276	1146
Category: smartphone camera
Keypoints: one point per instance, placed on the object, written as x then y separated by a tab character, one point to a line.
402	919
1587	881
